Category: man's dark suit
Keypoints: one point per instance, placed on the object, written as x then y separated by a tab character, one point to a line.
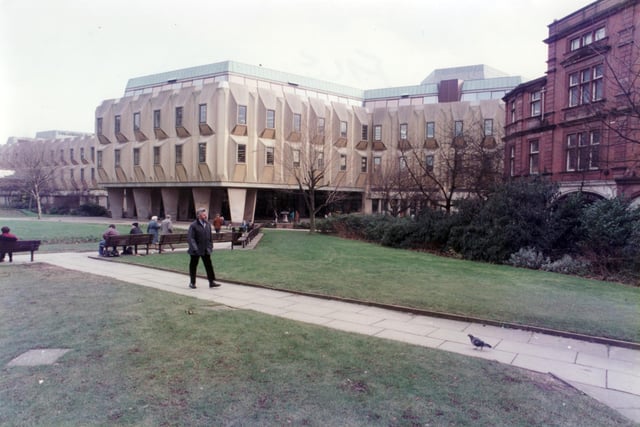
200	246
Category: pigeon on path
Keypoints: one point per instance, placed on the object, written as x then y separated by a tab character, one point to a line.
477	342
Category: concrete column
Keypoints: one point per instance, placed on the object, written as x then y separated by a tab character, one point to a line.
250	204
116	199
237	199
201	198
142	199
170	201
129	203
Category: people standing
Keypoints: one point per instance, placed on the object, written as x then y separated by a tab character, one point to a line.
201	246
166	227
7	236
218	221
152	228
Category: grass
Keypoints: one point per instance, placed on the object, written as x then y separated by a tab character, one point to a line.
300	261
146	357
351	269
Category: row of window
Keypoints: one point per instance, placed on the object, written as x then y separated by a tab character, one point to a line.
72	154
269	158
587	38
430	130
582	153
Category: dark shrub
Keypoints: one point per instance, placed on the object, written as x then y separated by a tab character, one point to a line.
91	209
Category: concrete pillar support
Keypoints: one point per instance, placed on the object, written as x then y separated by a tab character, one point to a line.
142	198
116	200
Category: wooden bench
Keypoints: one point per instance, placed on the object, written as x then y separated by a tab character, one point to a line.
12	246
246	237
172	239
231	237
126	240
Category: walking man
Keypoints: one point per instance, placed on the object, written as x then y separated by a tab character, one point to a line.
201	246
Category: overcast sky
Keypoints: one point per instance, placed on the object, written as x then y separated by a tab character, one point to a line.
60	58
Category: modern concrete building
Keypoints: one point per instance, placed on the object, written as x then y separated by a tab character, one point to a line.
231	136
580	124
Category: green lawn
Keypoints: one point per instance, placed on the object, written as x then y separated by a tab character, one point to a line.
296	260
351	269
144	357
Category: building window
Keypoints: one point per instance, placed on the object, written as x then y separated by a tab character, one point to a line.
534	157
242	115
71	154
271	119
269	159
430	131
136	121
93	154
402	163
82	157
583	151
156	119
202	152
365	132
296	158
488	127
297	122
156	155
99	161
536	103
377	162
377	133
587	39
512	160
428	162
343	161
116	158
98	125
404	129
586	86
458	128
62	156
320	158
241	153
116	126
363	164
93	174
82	175
178	154
343	129
320	125
179	112
136	157
202	114
513	111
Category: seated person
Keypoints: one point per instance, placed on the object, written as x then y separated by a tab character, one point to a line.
135	229
111	231
7	236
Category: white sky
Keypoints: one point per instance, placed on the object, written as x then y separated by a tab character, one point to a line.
60	58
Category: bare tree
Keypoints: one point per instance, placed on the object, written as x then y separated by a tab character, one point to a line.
310	163
393	184
33	170
464	162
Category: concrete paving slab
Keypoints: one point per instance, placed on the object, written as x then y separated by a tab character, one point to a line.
570	344
409	338
310	308
562	355
405	327
451	335
306	318
470	350
36	357
625	354
625	403
567	371
623	382
353	327
486	332
355	317
386	314
266	309
434	322
607	363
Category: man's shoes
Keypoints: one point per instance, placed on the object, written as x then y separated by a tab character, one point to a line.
192	285
213	284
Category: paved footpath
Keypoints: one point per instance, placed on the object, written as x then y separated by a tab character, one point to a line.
609	374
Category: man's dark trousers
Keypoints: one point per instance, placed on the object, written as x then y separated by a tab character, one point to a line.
193	267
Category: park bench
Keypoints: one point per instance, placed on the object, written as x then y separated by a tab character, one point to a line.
231	237
246	237
126	240
12	246
172	239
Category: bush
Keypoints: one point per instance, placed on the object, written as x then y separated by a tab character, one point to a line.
567	265
91	209
528	258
